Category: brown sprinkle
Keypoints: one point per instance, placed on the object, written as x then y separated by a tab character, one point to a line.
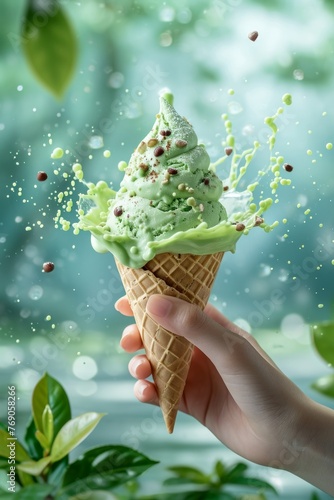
118	211
165	133
152	142
143	167
172	171
206	181
225	188
239	226
42	176
159	151
288	167
258	221
228	151
180	143
48	267
253	35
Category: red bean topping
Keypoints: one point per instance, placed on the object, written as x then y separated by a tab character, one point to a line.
159	151
180	143
172	171
165	133
206	181
228	151
48	267
288	167
42	176
239	226
253	35
118	211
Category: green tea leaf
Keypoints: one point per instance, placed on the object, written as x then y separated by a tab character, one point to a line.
325	385
73	433
253	482
35	449
49	44
94	495
35	492
50	392
192	474
20	453
104	467
47	422
323	340
220	469
34	468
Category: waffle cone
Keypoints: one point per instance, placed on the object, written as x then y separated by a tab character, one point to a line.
186	276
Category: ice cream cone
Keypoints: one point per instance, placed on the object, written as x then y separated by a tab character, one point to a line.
186	276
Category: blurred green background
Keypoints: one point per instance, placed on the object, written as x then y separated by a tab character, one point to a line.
127	52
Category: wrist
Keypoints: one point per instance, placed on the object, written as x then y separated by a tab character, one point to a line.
312	447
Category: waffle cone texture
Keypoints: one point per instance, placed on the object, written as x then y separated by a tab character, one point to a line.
188	277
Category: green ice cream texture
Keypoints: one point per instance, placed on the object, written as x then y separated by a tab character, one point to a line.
170	199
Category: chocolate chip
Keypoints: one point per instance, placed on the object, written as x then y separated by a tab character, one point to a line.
239	226
165	133
159	151
180	143
172	171
253	35
258	221
48	267
228	151
288	167
42	176
118	211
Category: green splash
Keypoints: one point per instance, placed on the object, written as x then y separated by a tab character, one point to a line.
135	247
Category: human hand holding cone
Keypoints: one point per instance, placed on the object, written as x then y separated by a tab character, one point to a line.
186	276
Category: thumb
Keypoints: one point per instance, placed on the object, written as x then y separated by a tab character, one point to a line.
230	352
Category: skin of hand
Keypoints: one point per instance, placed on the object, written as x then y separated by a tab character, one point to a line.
239	393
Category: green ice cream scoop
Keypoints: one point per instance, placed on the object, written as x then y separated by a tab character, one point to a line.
168	201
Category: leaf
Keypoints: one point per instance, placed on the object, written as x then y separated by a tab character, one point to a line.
49	44
35	492
49	391
42	440
220	469
192	474
47	424
323	340
238	469
20	453
325	385
104	467
73	433
253	482
35	449
34	468
94	495
24	478
57	471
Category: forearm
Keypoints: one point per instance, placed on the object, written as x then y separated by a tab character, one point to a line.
315	448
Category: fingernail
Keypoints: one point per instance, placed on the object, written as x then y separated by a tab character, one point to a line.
127	330
159	305
116	305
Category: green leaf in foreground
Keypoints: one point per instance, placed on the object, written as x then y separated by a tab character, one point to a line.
34	492
188	475
323	339
20	453
34	468
73	433
48	392
325	385
104	467
49	44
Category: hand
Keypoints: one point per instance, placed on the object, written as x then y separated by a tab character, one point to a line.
236	390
